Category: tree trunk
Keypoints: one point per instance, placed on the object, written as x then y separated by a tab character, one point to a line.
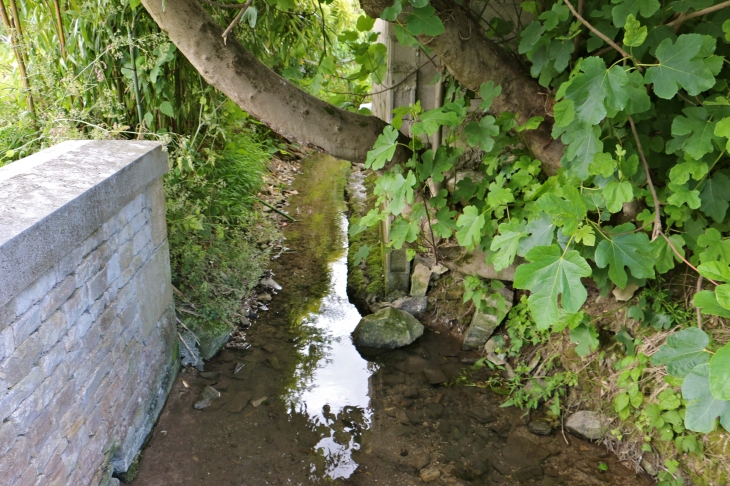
273	100
474	59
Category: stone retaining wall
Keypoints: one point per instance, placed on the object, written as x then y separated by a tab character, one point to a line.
88	345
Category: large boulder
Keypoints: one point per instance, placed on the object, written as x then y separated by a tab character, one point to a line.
387	328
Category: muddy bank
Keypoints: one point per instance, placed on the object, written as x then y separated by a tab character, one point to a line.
303	406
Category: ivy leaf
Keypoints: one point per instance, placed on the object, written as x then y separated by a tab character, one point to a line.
541	231
402	230
604	165
706	301
715	271
364	23
470	223
585	235
564	113
583	144
597	88
435	167
678	68
698	132
383	150
681	195
361	255
720	373
626	249
621	12
616	194
634	33
565	212
392	12
722	129
505	244
424	21
481	133
715	247
432	120
498	195
722	294
683	351
445	224
397	189
530	36
715	196
586	339
487	92
703	409
664	256
550	276
680	173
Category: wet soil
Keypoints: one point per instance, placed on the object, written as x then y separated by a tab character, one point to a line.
303	406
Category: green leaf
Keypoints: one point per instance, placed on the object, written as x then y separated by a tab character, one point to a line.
487	92
541	233
365	23
566	212
681	173
722	294
148	119
596	89
505	245
397	189
470	223
616	194
678	68
586	339
551	276
664	256
435	167
722	129
432	120
530	36
445	224
383	150
707	303
564	112
626	249
424	21
627	340
681	195
481	133
531	124
720	373
361	255
391	13
634	33
583	144
703	409
716	247
697	132
402	231
715	271
604	165
715	196
683	351
166	108
624	8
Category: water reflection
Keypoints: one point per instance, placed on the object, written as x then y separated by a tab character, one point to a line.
331	381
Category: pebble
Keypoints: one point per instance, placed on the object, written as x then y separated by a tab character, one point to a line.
264	297
271	283
540	427
429	474
206	397
435	376
239	367
258	401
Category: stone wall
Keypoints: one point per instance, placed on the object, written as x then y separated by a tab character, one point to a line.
88	344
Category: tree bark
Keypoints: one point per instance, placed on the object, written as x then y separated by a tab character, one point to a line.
474	59
268	97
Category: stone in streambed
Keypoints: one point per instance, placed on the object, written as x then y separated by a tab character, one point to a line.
413	305
483	324
387	328
419	280
429	474
206	397
239	402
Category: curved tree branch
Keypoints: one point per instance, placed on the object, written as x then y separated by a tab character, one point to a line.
268	97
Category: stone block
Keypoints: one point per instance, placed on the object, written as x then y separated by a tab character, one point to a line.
52	358
27	412
52	330
154	277
8	436
114	268
483	324
98	284
7	343
89	266
23	359
7	314
138	221
419	280
26	324
158	223
69	263
141	239
15	461
32	294
55	388
75	305
57	296
20	392
397	271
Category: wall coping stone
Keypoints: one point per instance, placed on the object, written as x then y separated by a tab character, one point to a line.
52	200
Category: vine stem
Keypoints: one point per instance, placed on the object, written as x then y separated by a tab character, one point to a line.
237	19
669	242
699	312
682	18
657	215
596	31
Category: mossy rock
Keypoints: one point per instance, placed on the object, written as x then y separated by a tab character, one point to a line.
387	328
213	335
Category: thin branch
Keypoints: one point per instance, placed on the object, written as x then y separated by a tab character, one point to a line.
682	18
236	20
237	6
669	242
275	209
365	95
596	31
657	214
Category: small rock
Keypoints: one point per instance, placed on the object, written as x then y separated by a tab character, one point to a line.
587	425
210	375
387	328
238	403
622	295
429	474
439	269
540	427
418	459
269	282
239	367
483	324
264	297
435	376
648	468
411	392
245	322
415	306
258	401
419	280
273	362
206	397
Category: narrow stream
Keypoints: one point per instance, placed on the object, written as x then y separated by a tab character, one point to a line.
304	406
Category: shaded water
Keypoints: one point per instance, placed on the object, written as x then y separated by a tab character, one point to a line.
307	408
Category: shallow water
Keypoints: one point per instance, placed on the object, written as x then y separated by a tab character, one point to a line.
331	415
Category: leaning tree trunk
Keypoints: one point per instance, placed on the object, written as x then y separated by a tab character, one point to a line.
286	109
469	55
